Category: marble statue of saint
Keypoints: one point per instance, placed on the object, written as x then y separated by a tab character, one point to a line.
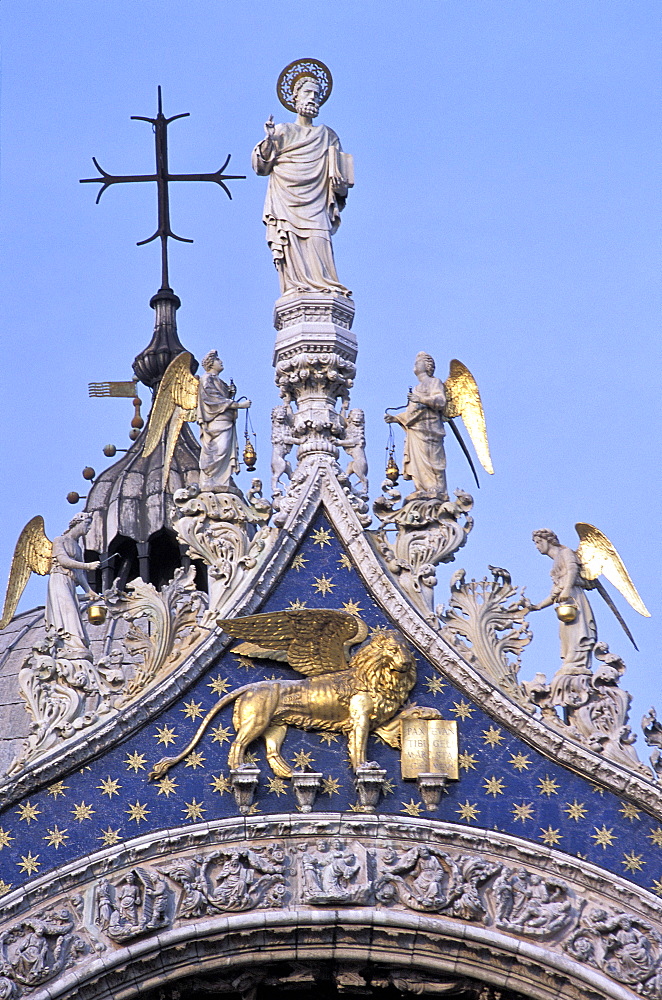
217	417
309	178
423	423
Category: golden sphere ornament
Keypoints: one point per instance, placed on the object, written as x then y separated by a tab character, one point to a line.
392	470
250	455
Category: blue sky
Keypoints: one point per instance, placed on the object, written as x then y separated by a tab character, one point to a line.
506	212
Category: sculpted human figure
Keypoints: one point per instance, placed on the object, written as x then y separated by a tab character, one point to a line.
217	417
308	186
353	443
423	423
67	572
578	637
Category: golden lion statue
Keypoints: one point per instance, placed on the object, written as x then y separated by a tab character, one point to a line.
354	696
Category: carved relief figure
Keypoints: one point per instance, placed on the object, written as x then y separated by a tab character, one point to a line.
353	443
335	874
573	573
246	879
62	561
529	904
282	441
419	876
133	906
429	405
210	401
309	178
37	949
339	695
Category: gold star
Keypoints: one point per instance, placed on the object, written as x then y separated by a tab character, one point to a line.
219	685
492	736
220	784
5	838
493	786
59	788
388	787
468	761
277	786
656	886
299	562
633	862
55	837
603	837
195	760
28	812
329	738
5	886
192	709
548	786
251	758
165	734
29	864
656	836
109	837
462	710
296	605
302	759
628	811
468	811
412	808
82	811
575	810
221	734
330	786
135	761
193	810
345	562
520	761
323	585
244	662
523	811
109	786
550	836
352	608
253	809
356	807
321	537
435	685
167	786
137	811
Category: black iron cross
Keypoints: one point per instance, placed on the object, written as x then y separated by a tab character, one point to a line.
162	178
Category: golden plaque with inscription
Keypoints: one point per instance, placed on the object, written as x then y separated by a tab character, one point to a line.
429	746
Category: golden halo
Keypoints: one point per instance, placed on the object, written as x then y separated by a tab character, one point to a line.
294	72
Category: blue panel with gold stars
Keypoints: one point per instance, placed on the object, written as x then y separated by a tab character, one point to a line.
504	784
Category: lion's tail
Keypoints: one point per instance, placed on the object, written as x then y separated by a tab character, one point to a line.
164	765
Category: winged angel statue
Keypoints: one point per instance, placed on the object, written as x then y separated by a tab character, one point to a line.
354	695
209	400
430	404
575	572
62	561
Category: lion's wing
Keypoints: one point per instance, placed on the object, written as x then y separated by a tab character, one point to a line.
313	638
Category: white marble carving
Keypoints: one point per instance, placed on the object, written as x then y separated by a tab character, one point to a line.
234	880
137	904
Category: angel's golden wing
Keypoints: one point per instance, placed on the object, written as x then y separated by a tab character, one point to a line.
463	400
178	391
597	555
32	554
314	639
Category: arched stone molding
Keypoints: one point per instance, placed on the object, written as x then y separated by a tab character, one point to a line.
420	894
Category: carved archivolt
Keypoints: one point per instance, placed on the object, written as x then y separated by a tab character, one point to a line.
420	878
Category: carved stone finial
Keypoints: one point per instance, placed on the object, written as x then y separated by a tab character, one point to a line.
369	781
431	787
244	781
306	785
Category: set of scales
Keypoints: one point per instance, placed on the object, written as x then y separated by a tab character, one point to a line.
596	555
